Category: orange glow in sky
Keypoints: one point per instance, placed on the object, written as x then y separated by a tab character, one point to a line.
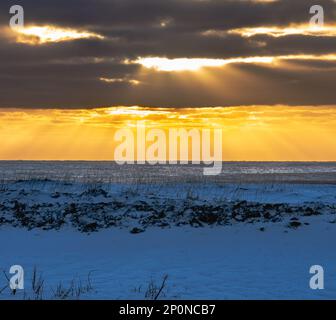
276	133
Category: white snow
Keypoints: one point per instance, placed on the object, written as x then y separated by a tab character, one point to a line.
237	261
232	262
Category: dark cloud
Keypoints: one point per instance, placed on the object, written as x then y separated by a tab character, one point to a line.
67	74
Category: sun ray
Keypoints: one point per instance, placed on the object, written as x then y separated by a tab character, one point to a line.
196	64
38	35
280	31
255	133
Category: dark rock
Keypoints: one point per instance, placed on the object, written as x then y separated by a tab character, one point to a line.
294	224
208	218
310	212
90	227
137	231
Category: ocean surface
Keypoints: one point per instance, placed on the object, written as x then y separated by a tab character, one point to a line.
110	172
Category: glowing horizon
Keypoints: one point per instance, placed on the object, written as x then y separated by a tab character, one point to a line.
250	133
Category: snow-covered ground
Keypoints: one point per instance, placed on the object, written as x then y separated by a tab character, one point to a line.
214	241
235	262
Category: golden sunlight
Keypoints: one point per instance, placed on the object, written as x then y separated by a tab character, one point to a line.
275	31
120	80
255	133
191	64
37	35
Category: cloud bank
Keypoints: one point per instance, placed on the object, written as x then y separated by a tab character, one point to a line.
89	53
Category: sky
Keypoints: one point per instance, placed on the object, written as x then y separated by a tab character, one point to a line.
256	133
255	68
